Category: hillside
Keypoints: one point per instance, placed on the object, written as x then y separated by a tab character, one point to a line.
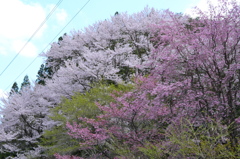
154	84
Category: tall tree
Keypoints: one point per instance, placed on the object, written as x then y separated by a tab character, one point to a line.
14	88
24	117
25	83
44	73
40	76
117	45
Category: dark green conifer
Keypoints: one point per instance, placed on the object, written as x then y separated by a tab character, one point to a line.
14	88
43	73
25	83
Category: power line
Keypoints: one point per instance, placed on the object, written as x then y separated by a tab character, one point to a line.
22	72
40	26
71	20
51	41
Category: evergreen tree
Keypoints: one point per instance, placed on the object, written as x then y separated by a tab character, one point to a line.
14	88
26	82
43	73
40	76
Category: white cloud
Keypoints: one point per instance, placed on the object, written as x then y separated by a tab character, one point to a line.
61	15
29	50
201	4
19	20
18	23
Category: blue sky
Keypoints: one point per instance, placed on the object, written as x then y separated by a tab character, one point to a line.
20	18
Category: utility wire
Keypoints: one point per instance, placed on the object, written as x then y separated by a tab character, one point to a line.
50	42
70	20
22	72
40	26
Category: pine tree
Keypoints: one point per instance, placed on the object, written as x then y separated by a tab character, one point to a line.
44	73
25	83
14	88
40	76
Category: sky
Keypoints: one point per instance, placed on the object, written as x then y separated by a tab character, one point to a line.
21	18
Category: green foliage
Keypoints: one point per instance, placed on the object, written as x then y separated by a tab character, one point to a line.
185	139
125	72
154	151
6	154
69	110
140	52
120	150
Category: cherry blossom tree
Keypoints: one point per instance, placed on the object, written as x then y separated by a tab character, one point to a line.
201	60
109	50
195	76
19	121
